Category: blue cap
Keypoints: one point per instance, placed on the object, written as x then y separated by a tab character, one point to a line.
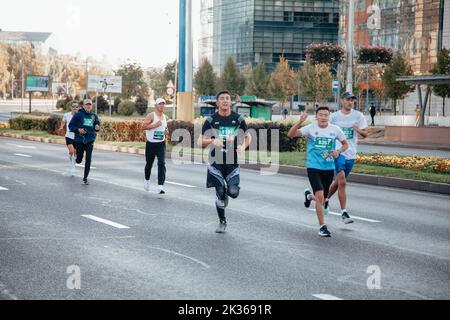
347	95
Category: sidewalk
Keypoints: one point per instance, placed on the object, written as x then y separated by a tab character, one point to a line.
382	142
291	170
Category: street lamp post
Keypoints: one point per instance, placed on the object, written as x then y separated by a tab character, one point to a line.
351	14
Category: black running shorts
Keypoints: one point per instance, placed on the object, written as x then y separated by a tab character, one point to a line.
320	179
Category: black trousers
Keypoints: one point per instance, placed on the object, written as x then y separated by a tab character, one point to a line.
81	149
158	150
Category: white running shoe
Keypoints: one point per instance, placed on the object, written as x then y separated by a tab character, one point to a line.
147	185
161	190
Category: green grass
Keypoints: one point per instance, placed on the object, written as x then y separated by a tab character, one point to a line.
285	158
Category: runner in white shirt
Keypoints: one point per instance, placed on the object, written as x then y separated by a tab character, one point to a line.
321	152
70	136
156	127
352	123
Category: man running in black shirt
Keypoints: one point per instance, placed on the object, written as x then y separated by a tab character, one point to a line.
222	131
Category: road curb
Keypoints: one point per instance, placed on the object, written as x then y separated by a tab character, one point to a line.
404	145
384	181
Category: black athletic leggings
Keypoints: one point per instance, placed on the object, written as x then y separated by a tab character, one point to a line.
81	148
152	150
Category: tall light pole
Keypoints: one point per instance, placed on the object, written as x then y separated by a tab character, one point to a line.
350	23
185	101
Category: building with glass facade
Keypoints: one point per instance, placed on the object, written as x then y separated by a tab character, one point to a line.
262	30
418	28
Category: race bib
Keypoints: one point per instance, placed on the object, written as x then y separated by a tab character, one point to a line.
227	132
88	122
158	135
324	143
349	133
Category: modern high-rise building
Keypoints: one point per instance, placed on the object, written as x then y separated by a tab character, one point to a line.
417	28
263	30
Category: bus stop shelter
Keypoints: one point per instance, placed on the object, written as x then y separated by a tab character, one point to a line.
429	81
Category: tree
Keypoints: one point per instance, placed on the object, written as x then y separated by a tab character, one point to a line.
141	105
258	83
283	81
442	67
158	79
205	79
102	104
133	83
315	81
393	89
231	78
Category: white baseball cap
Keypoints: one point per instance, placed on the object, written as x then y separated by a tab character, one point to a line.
159	101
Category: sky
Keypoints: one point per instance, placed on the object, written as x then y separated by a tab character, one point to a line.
145	31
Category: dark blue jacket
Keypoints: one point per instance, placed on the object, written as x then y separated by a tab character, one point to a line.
85	120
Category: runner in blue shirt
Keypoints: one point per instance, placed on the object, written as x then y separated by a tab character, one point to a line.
320	155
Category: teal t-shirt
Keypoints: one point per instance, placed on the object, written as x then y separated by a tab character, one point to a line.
320	146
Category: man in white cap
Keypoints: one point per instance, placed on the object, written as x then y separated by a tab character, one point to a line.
156	128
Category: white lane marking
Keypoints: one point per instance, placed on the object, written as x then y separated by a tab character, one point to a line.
180	184
63	239
23	155
353	217
3	189
326	297
82	166
20	146
108	222
206	266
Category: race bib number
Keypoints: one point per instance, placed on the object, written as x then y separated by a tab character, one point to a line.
158	135
349	133
227	132
88	122
324	143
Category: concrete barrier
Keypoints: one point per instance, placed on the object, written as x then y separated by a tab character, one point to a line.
425	135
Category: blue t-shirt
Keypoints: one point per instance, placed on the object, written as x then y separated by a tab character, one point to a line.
320	146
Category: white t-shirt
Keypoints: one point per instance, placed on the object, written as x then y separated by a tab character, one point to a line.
68	117
157	134
346	123
321	143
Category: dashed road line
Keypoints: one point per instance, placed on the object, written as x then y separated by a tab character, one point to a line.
108	222
23	155
353	217
326	297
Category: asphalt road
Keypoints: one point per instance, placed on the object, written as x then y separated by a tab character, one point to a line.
164	247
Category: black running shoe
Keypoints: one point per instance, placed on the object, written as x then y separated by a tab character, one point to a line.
221	227
307	201
323	231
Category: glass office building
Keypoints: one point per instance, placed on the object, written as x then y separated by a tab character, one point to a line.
262	30
417	28
410	26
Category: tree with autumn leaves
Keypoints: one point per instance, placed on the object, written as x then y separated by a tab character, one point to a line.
283	82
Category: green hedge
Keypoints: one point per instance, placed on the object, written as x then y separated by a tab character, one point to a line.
29	123
129	131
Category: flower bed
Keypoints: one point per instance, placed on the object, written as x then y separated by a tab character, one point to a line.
427	164
325	53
